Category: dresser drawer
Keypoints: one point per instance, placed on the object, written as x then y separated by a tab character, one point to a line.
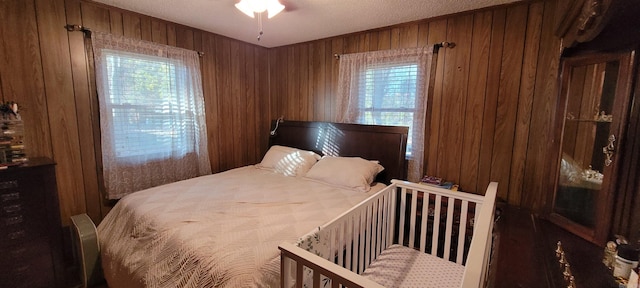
21	190
27	265
30	230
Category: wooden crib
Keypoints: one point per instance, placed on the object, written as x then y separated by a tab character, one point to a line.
406	233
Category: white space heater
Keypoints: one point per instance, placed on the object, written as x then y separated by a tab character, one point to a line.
87	250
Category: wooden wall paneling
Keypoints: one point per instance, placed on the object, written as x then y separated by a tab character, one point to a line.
197	40
211	98
292	102
145	28
527	85
252	115
384	39
96	17
263	100
184	38
329	60
372	41
317	77
394	42
423	34
159	31
311	80
116	23
454	97
223	80
437	34
303	89
409	36
476	90
491	100
131	26
238	104
281	83
351	44
338	48
84	113
171	34
537	177
21	73
508	97
363	45
61	106
275	80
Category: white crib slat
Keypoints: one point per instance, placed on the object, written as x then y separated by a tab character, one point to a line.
332	245
403	207
447	238
380	224
349	242
462	232
361	236
367	235
412	220
436	226
341	243
356	244
374	229
423	225
285	270
391	220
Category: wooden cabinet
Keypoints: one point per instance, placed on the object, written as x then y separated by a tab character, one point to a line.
597	24
31	235
593	114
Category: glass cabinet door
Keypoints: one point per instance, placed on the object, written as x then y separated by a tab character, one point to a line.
595	104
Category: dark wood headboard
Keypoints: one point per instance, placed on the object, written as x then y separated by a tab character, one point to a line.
386	144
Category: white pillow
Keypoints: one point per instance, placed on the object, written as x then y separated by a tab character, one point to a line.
288	161
352	173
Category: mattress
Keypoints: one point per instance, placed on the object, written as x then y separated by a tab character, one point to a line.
219	230
400	266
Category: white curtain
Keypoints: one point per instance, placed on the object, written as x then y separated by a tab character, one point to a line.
152	120
389	87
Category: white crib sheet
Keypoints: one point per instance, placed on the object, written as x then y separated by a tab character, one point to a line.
400	266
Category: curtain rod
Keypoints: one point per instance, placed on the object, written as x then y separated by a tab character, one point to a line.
87	32
435	47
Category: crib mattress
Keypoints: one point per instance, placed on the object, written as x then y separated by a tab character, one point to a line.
400	266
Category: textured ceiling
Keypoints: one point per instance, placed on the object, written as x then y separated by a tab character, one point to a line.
302	20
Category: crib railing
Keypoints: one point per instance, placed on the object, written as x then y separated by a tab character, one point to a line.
430	219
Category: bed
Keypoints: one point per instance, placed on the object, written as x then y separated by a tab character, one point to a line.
223	230
407	235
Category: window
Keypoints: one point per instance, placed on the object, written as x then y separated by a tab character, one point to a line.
149	114
152	124
389	96
388	88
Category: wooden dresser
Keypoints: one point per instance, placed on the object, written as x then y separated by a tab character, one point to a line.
31	233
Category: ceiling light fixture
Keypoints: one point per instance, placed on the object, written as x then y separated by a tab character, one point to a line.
252	7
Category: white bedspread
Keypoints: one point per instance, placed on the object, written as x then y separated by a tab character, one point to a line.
219	230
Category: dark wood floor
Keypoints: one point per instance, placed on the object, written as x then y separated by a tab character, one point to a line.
526	257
